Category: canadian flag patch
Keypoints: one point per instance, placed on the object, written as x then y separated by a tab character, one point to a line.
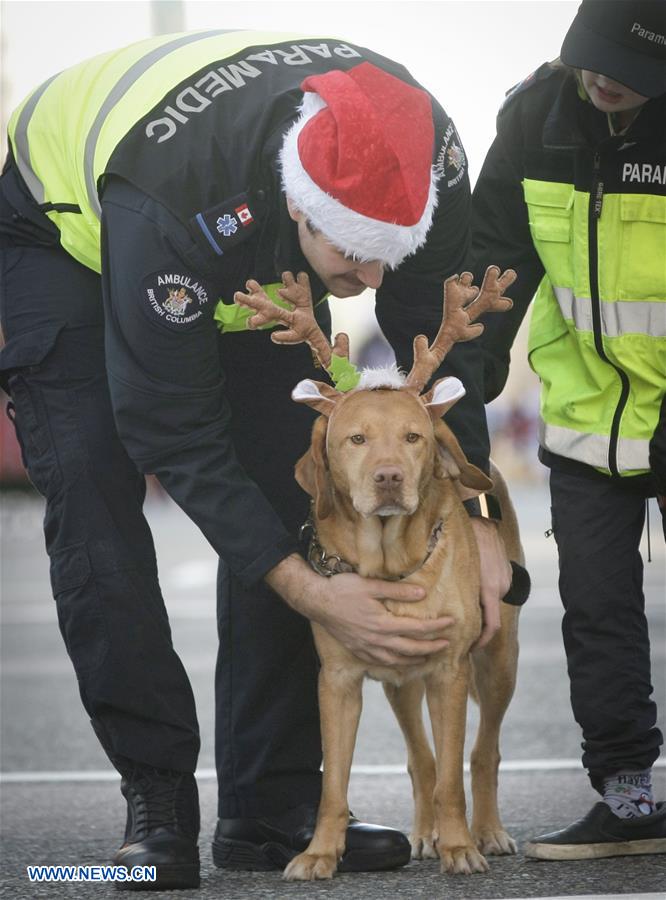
224	226
244	214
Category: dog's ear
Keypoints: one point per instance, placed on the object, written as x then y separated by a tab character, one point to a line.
451	462
316	394
442	395
312	471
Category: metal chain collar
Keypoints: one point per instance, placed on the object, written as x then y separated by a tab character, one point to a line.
329	565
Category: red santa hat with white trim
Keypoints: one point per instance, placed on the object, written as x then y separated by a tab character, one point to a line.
358	162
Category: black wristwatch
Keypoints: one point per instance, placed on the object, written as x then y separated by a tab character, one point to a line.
485	506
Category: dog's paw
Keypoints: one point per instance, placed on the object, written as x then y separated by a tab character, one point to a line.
423	846
462	860
495	842
310	867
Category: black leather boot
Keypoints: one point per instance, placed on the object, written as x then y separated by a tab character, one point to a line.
271	842
162	828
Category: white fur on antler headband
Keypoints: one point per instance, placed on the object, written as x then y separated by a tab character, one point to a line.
382	377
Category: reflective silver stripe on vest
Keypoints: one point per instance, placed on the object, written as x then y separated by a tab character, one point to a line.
21	146
592	449
117	93
618	318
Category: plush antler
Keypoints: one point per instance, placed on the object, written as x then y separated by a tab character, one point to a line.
459	314
300	322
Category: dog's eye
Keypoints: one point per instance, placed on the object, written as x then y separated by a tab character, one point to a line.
412	437
357	439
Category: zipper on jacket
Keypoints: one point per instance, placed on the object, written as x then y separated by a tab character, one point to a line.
598	187
594	214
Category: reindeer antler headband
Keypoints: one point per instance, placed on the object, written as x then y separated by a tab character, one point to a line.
463	304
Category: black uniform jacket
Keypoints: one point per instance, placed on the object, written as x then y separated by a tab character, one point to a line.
169	211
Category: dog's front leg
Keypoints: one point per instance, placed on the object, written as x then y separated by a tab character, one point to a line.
407	701
340	701
446	692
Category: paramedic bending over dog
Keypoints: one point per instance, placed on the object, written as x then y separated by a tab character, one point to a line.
194	155
572	193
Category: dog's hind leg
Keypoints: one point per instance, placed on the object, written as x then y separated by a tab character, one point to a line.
446	693
406	702
340	702
494	668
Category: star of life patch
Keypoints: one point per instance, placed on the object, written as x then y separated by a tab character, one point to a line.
174	298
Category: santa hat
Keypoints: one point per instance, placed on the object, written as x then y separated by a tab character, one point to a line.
358	162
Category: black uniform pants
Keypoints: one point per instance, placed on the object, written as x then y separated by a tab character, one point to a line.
103	569
598	526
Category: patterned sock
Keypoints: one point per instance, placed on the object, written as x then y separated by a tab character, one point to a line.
629	794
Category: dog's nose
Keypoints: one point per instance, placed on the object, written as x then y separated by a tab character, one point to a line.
388	477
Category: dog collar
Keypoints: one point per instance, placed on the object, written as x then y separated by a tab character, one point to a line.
323	563
330	564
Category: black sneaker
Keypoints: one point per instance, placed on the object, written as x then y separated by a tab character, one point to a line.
260	845
162	828
601	833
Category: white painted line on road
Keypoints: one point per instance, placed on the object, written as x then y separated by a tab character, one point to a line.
74	775
81	775
658	896
194	573
43	614
507	765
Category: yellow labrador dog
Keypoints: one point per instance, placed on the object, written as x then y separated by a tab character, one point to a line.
382	470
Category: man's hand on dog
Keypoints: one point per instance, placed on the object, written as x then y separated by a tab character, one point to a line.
349	607
495	577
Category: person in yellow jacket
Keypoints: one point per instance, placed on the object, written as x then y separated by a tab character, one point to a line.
573	192
144	187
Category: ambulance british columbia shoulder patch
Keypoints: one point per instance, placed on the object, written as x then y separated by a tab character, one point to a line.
175	299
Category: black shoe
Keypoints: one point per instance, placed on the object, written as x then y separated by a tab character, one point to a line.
162	828
259	845
601	833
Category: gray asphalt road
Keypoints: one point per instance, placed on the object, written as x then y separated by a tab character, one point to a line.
45	734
